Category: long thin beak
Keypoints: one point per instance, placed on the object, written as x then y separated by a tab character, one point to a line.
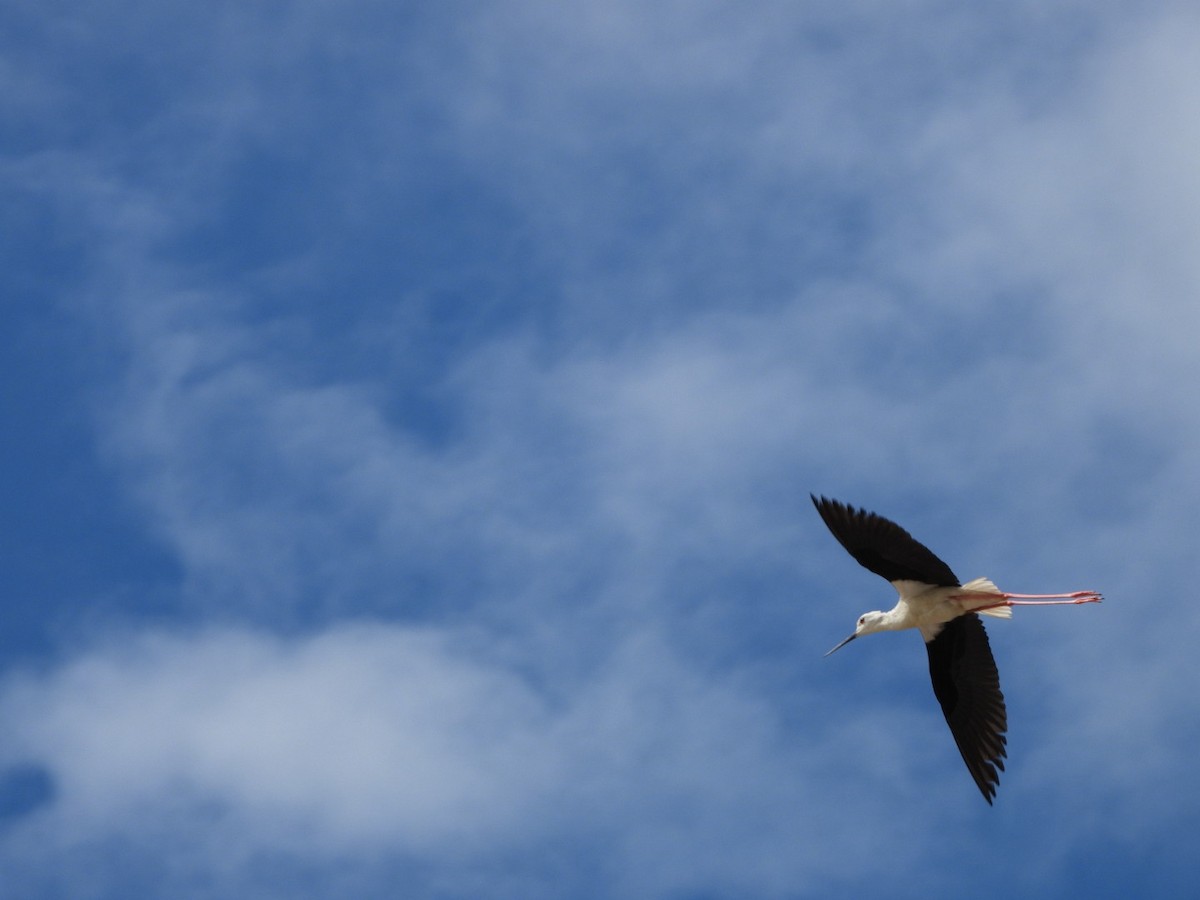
843	643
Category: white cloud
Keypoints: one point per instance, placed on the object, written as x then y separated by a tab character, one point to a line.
359	734
567	540
371	739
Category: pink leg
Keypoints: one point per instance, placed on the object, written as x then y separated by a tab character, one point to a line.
1079	596
1071	599
1083	598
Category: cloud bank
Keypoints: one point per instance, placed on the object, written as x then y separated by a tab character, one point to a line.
472	372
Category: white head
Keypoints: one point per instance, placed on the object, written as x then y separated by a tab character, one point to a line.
868	623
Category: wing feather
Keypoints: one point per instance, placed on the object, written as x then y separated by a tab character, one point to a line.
967	686
883	546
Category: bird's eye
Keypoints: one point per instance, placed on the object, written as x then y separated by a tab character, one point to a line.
862	619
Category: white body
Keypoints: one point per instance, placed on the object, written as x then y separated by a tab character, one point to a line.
929	608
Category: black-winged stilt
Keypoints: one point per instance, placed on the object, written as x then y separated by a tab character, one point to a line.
964	675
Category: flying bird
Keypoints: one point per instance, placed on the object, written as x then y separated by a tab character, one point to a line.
933	601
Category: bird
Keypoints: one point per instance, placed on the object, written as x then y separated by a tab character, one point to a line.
965	680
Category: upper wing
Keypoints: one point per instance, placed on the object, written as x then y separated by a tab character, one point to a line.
883	546
967	686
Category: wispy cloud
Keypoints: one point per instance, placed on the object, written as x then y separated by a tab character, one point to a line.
475	373
374	738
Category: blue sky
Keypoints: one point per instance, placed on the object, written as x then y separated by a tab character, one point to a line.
411	411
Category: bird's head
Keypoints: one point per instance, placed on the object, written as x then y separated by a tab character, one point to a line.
868	623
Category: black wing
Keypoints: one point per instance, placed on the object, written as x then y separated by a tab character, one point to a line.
967	686
883	546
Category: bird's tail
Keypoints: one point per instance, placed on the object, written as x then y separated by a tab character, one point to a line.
983	586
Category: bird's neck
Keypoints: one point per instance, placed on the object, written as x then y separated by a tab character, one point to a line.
897	618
